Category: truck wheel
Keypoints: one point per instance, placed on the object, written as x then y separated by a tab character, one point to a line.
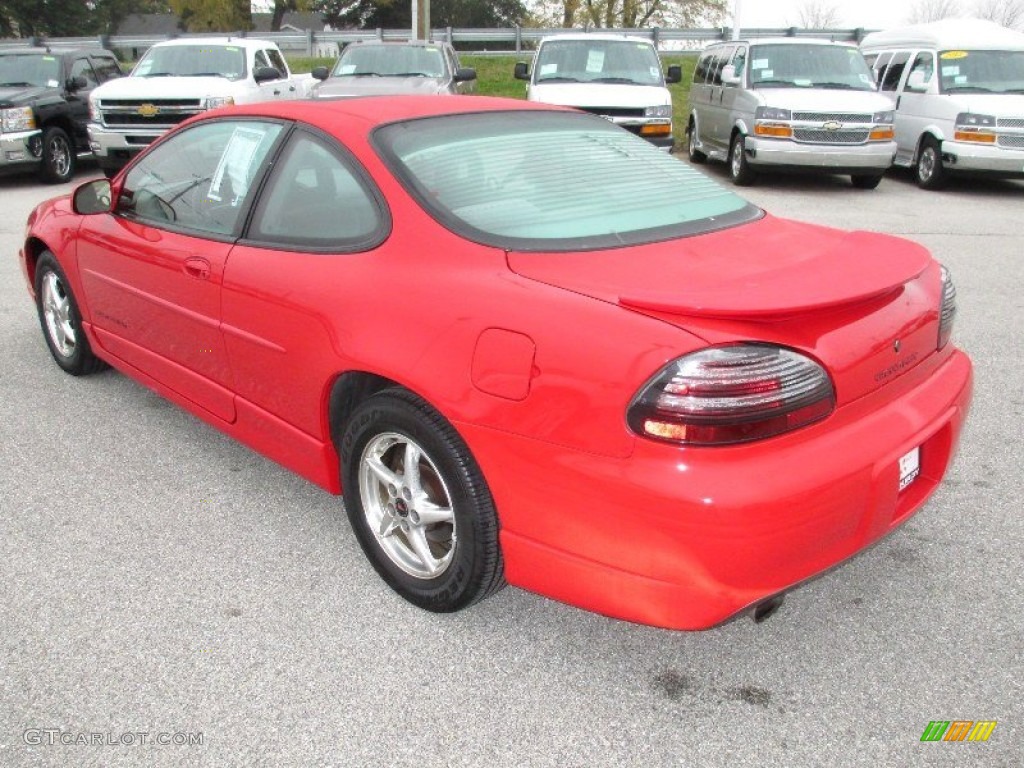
58	164
696	156
742	174
929	171
861	181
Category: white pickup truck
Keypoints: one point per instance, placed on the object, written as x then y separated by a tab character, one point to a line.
180	78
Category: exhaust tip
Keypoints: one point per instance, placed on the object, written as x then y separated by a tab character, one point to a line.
767	608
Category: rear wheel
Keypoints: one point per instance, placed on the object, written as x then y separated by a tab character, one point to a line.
742	174
61	321
695	155
929	171
58	162
866	182
419	504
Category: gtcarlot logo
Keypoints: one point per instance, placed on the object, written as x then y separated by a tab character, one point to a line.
50	737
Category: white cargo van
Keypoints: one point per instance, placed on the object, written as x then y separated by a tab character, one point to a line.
789	104
615	76
959	88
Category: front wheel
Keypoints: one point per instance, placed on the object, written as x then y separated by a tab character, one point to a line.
929	171
695	155
58	162
742	174
61	321
419	504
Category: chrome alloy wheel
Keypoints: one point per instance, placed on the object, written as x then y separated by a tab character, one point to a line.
57	311
60	153
407	505
737	157
926	163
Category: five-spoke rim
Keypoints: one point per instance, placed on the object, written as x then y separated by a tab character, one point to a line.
57	312
60	155
407	505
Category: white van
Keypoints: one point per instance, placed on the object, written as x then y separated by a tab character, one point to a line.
615	76
789	104
959	88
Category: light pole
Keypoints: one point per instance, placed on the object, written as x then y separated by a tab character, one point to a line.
420	19
737	8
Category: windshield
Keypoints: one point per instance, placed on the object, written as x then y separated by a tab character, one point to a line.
192	61
981	71
533	180
390	61
809	66
28	69
598	61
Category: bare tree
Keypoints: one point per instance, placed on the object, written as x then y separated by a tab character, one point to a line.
933	10
1009	13
818	14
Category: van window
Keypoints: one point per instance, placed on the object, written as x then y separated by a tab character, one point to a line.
895	70
808	65
879	66
981	71
720	61
924	63
739	61
700	72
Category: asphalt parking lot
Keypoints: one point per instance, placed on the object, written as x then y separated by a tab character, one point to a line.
161	580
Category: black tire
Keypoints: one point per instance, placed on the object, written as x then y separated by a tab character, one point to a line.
59	158
928	170
384	513
739	169
58	314
695	155
866	182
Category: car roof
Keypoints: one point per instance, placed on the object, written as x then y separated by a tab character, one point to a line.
56	51
395	43
241	42
786	41
598	36
370	111
948	34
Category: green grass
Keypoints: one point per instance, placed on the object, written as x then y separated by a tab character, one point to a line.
494	78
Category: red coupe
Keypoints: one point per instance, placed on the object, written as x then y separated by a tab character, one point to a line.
524	344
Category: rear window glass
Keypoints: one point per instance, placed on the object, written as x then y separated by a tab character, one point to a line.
552	181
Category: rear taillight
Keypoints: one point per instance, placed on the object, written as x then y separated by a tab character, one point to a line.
733	394
947	312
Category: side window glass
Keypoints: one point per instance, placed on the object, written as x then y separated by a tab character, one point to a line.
277	62
739	61
921	72
106	68
199	179
261	60
720	61
700	72
895	71
82	68
879	66
314	200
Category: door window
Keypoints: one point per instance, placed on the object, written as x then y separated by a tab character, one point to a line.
106	68
879	66
720	61
895	70
200	178
314	200
277	62
82	68
924	63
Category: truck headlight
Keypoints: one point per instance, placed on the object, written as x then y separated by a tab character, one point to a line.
94	111
663	110
17	119
979	129
772	121
212	102
882	126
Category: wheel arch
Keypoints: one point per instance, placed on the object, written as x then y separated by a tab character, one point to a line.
347	391
34	248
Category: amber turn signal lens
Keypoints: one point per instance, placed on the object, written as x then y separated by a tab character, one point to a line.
882	134
768	129
975	136
656	129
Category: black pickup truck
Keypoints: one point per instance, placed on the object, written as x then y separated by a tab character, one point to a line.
44	107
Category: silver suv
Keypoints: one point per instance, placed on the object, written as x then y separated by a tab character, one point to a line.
786	104
374	68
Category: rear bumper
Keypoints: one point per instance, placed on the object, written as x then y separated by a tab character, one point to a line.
980	158
687	538
874	156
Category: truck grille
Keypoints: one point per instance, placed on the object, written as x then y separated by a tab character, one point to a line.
1010	122
817	136
615	111
148	113
826	117
1012	142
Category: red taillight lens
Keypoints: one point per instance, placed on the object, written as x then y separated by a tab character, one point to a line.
732	394
947	312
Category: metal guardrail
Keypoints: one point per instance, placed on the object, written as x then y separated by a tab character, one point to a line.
517	39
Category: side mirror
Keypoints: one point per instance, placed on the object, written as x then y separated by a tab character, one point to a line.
76	83
521	72
463	74
916	81
92	197
263	74
729	76
674	74
320	73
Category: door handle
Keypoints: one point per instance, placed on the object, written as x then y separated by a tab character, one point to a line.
197	268
277	93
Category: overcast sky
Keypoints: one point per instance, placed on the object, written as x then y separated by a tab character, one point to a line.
870	14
